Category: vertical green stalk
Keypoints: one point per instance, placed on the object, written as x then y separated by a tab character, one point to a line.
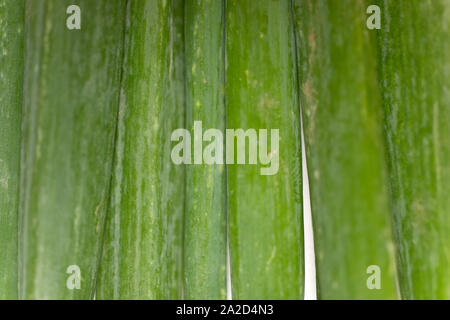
414	62
342	120
71	93
142	251
12	17
265	211
205	220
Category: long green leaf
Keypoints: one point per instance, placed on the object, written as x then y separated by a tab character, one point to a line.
142	252
414	60
12	17
71	93
344	146
205	220
265	211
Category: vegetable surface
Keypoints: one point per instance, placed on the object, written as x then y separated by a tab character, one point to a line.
12	17
205	220
265	211
414	64
342	120
142	252
71	93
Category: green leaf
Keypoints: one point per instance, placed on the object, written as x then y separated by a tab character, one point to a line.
341	107
414	64
265	211
12	17
71	95
142	252
205	220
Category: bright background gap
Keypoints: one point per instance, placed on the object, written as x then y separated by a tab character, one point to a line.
310	260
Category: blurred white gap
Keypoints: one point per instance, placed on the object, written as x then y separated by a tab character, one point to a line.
310	260
310	292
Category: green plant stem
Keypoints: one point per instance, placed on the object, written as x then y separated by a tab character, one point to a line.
205	220
265	211
142	252
71	93
342	120
414	64
12	18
